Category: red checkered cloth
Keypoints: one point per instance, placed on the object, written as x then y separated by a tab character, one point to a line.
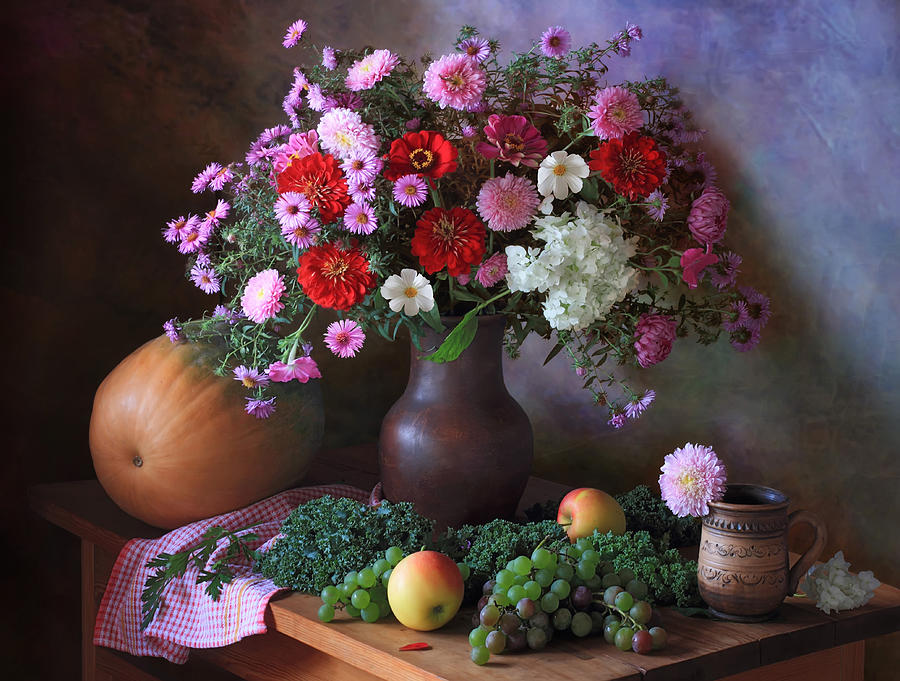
189	618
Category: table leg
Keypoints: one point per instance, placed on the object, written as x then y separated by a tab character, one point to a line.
88	611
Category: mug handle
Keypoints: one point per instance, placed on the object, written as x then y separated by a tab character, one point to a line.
811	555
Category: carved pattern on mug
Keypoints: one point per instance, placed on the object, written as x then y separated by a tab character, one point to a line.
768	525
738	551
747	579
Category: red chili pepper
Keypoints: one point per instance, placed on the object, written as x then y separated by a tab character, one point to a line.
416	646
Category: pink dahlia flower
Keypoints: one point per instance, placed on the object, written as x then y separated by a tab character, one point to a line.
261	409
370	70
692	476
555	42
514	140
301	369
492	271
344	338
693	262
653	338
299	145
709	216
615	113
343	132
508	203
262	296
455	80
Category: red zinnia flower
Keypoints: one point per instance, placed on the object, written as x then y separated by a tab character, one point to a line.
321	180
454	238
633	164
334	277
423	153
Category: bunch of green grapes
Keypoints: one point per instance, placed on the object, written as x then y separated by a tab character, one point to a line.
575	590
363	593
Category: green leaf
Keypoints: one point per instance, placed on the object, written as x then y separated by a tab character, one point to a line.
433	319
674	261
554	352
589	190
457	340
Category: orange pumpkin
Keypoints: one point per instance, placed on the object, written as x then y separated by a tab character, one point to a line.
171	442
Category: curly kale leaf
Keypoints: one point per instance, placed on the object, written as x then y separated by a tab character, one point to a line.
648	512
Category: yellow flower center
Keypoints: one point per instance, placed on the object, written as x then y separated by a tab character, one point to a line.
248	382
455	82
262	293
410	190
362	218
560	169
420	158
343	139
411	292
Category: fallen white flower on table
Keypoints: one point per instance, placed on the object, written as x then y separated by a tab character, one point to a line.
834	588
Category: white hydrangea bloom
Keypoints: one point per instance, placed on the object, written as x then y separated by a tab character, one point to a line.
834	588
583	267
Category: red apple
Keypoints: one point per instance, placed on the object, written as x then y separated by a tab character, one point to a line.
585	509
425	590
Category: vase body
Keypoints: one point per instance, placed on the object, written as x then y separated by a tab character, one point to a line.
456	444
743	570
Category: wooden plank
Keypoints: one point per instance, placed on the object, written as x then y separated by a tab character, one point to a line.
113	665
88	613
881	615
822	666
853	659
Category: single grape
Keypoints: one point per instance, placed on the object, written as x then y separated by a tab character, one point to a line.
561	588
586	569
495	642
626	575
572	552
581	624
550	602
582	597
509	622
505	578
326	612
489	615
637	589
351	577
526	608
366	578
516	641
522	565
477	636
360	599
565	571
500	588
595	583
611	579
545	577
606	567
540	620
488	586
464	570
659	636
536	638
330	595
591	556
394	555
370	613
624	601
480	655
532	590
346	590
380	565
609	596
584	543
623	638
597	621
386	576
642	642
499	599
350	610
542	559
610	629
520	579
483	601
562	619
641	612
516	593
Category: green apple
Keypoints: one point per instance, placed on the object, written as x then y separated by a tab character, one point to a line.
425	590
585	509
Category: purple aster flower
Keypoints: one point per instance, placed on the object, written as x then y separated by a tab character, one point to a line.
201	182
362	166
212	218
194	239
359	218
261	409
622	47
413	124
294	33
361	192
177	228
724	274
744	339
250	377
302	235
555	42
342	100
203	259
758	309
580	371
205	279
469	131
475	47
329	60
228	315
638	405
736	316
344	338
220	178
618	420
634	32
292	210
173	331
316	98
410	191
275	134
656	205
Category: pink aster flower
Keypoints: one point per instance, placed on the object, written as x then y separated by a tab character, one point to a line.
205	279
343	132
302	235
454	80
361	192
653	338
370	70
615	113
657	204
413	124
329	60
633	31
709	216
758	309
693	262
736	317
508	203
514	140
292	210
744	339
301	369
724	274
468	131
261	409
213	217
359	218
618	420
343	100
270	135
410	191
692	476
177	229
294	33
492	271
173	331
476	48
362	166
250	377
194	239
201	182
262	296
638	405
344	338
299	145
315	97
220	178
555	42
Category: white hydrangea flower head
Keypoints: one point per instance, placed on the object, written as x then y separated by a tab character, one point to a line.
583	267
835	588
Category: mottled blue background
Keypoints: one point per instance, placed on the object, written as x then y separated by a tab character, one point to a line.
117	104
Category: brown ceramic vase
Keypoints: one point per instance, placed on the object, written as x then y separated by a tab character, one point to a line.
743	570
456	444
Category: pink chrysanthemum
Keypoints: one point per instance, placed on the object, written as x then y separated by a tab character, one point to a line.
370	70
708	218
262	296
261	409
173	331
250	377
455	80
205	279
514	140
302	235
292	210
476	48
294	33
342	132
212	218
692	476
344	338
492	271
555	42
299	145
301	369
638	405
362	166
359	218
615	113
508	203
410	191
329	60
177	229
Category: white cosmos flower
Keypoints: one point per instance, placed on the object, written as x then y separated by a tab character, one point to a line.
410	291
560	173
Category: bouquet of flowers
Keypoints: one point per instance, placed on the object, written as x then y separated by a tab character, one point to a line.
580	210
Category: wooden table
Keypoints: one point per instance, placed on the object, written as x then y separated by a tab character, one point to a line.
801	643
